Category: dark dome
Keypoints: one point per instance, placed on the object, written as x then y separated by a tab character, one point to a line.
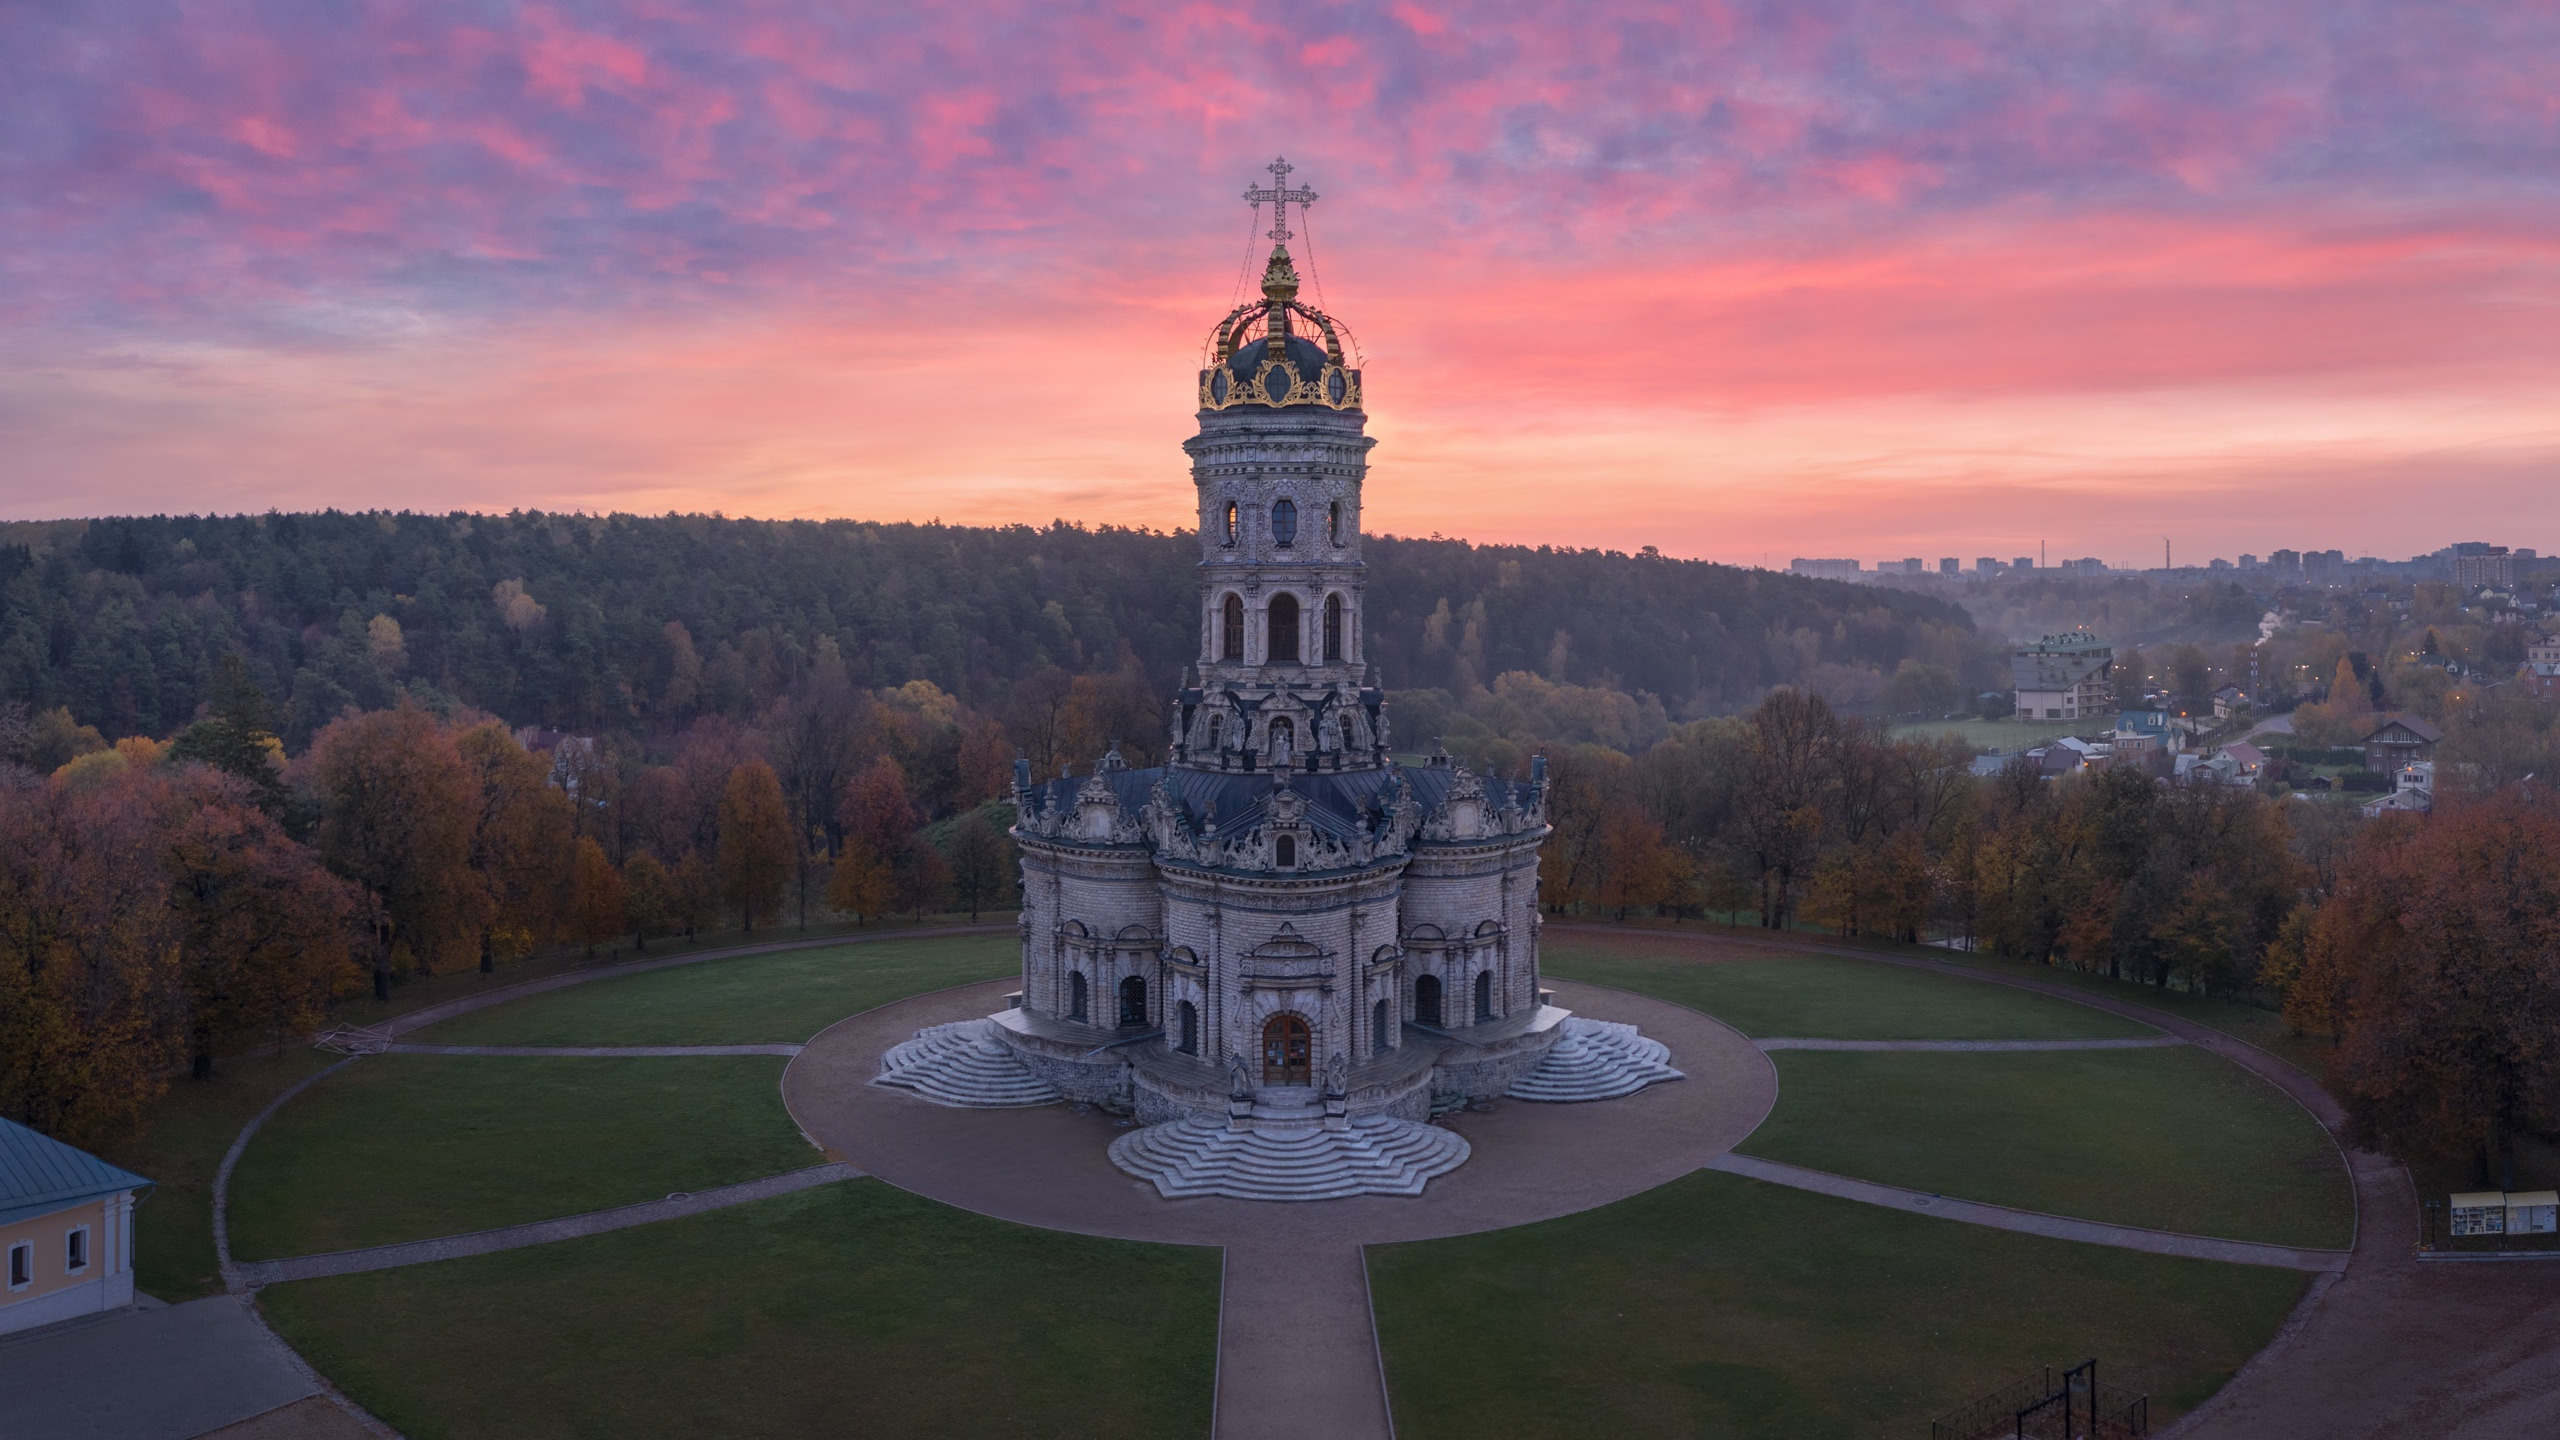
1304	354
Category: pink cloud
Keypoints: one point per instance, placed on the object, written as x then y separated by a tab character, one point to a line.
1871	264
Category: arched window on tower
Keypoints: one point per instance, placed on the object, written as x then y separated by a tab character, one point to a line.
1217	730
1190	1041
1284	630
1333	629
1076	995
1382	1027
1333	522
1231	522
1231	627
1484	996
1284	523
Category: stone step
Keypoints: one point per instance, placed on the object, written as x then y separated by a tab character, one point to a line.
964	1064
1596	1060
1374	1155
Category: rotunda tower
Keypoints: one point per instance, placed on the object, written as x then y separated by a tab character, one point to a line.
1278	464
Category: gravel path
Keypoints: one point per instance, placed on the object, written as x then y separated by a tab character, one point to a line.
595	1052
539	1232
2032	1222
2130	1042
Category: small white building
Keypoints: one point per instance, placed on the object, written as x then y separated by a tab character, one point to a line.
66	1230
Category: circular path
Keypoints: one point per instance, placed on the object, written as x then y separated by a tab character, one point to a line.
1048	1167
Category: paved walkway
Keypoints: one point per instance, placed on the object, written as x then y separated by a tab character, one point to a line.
1298	1353
595	1052
167	1373
2130	1042
540	1232
2032	1222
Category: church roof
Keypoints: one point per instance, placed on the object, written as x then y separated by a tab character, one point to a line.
1339	804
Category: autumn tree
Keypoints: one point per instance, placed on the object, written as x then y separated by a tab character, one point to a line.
596	905
862	884
2442	949
755	854
92	1011
268	937
398	808
521	845
650	903
981	863
880	824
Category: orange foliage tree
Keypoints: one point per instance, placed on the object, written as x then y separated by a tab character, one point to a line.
755	842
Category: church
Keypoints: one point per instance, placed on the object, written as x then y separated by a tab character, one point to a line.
1283	951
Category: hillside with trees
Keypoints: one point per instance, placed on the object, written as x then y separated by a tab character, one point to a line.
641	625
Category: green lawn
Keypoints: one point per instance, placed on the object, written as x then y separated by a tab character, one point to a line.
1719	1306
2174	1139
406	1147
850	1309
2256	1024
180	1148
1817	996
788	996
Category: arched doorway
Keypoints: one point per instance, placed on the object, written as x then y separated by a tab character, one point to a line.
1287	1054
1484	996
1426	1000
1382	1029
1190	1029
1075	995
1133	1001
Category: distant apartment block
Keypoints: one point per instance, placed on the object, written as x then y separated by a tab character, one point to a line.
2064	677
1825	569
2491	567
1949	565
2023	562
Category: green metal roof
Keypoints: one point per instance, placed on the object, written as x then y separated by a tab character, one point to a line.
39	1174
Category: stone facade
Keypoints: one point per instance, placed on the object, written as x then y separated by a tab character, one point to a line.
1282	905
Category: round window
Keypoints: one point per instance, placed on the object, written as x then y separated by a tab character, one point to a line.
1276	382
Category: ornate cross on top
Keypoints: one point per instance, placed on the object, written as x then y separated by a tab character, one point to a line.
1280	197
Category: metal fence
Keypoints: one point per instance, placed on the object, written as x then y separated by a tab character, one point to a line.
2041	1405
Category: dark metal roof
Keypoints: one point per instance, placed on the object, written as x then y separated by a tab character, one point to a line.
39	1174
1339	804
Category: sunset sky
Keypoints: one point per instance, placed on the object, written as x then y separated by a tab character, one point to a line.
1737	280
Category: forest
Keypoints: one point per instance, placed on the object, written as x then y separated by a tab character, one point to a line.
640	625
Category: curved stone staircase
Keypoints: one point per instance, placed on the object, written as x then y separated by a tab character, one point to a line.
1290	1155
1596	1060
964	1064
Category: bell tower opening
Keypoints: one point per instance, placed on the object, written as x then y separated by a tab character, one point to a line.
1284	630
